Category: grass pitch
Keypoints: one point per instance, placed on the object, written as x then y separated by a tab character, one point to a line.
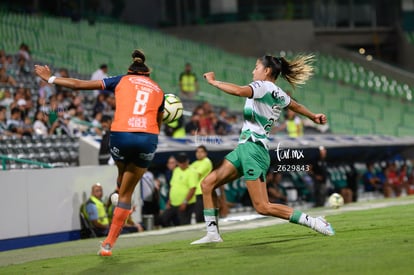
370	241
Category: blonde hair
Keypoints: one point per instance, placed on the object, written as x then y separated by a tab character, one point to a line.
296	71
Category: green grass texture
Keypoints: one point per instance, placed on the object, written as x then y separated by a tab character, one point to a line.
373	240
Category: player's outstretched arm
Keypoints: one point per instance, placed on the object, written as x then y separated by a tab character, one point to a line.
300	109
230	88
44	73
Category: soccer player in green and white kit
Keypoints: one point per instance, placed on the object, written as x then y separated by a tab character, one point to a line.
264	103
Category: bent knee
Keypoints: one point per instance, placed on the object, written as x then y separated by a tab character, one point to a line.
207	186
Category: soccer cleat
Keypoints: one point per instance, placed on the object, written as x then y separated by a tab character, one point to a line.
323	227
105	250
209	238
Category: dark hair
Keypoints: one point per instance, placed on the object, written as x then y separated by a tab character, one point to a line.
106	118
15	110
138	64
103	66
202	147
296	72
182	157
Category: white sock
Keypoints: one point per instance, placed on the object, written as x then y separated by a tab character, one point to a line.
211	224
307	220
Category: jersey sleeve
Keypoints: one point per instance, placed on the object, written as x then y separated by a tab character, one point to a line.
258	88
111	82
281	98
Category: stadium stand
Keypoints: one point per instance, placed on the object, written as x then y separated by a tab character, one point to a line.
357	101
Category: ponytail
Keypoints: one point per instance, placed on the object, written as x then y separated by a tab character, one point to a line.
296	71
138	65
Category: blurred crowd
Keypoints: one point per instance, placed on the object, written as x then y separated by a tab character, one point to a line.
32	107
205	121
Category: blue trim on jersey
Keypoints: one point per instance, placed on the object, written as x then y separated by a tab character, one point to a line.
110	83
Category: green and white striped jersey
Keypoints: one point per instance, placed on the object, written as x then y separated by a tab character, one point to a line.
262	110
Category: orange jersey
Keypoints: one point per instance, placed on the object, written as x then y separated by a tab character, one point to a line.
138	102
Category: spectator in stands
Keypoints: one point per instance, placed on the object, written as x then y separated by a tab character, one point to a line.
150	195
164	180
410	182
28	126
372	180
181	201
46	90
293	124
95	211
204	122
22	69
320	175
7	98
221	125
100	74
5	78
203	166
403	176
3	122
22	104
264	100
208	117
97	124
78	123
100	104
40	125
61	125
104	149
352	178
134	131
64	73
191	127
234	125
175	129
110	108
394	183
274	190
188	82
24	51
3	58
15	123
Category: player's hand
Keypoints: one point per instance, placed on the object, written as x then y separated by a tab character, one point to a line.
182	207
43	71
320	119
210	77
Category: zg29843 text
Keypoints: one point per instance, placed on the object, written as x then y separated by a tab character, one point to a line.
291	168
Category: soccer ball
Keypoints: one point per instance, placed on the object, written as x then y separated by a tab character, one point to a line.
173	108
335	200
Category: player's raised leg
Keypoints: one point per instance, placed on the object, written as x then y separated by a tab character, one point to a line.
258	194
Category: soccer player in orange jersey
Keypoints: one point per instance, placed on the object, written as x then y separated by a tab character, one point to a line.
134	130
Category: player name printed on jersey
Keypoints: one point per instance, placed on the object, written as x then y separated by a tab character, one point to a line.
138	122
